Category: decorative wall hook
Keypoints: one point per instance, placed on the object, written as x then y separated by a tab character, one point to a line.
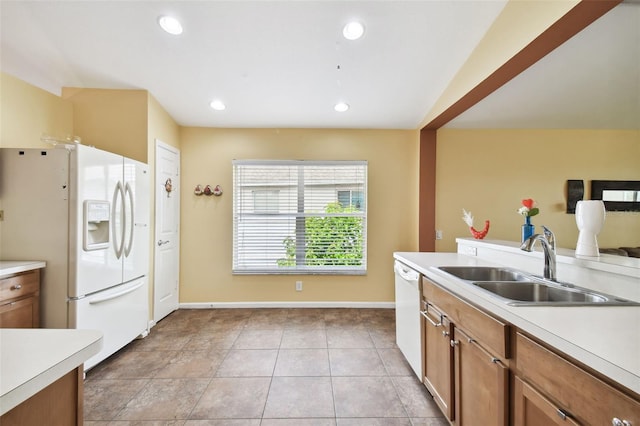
198	190
217	191
208	190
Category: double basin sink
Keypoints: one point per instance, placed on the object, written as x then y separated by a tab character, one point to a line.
520	289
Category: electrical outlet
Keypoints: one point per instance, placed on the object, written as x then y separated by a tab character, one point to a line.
438	234
298	285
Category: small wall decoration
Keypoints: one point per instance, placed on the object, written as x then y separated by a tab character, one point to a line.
168	186
208	190
468	219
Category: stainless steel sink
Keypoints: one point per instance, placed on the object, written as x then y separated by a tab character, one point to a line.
520	289
536	293
484	273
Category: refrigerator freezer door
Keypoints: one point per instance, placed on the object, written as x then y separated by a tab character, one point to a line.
136	236
121	313
96	175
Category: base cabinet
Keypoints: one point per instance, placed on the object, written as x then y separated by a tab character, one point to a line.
59	404
465	359
483	371
532	408
481	384
438	363
20	300
563	390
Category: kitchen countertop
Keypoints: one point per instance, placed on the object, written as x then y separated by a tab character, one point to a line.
33	358
10	267
606	339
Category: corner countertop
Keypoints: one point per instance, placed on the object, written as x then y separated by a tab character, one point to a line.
606	339
10	267
33	358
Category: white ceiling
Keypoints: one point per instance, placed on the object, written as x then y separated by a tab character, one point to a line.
275	63
592	81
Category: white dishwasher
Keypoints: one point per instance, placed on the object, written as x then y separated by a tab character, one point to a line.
408	320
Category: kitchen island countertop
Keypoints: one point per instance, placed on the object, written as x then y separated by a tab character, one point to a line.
10	267
32	359
606	339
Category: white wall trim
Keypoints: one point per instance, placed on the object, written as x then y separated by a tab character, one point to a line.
224	305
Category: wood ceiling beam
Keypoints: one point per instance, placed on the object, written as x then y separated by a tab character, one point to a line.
574	21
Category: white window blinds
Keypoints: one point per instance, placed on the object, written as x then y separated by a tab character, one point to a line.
292	217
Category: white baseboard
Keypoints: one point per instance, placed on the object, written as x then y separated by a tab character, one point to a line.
224	305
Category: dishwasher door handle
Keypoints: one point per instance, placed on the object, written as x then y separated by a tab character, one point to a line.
405	272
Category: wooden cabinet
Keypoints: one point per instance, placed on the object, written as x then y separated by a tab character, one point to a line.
532	408
549	386
465	353
481	384
20	300
483	371
60	403
438	362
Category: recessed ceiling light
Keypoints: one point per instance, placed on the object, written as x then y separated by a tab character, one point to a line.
341	107
353	30
170	25
218	105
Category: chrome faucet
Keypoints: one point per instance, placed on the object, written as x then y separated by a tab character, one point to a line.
548	241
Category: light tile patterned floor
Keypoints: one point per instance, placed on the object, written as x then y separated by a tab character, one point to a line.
262	367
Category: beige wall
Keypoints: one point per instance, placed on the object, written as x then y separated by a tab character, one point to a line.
160	126
488	172
27	112
112	120
206	245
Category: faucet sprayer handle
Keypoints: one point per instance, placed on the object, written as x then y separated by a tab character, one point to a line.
550	236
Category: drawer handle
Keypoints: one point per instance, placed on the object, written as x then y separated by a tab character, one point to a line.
16	287
561	414
428	318
617	422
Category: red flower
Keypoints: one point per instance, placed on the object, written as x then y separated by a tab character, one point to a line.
528	203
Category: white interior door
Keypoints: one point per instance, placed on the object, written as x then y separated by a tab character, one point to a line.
167	231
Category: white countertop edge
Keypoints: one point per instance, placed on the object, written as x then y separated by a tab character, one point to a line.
478	298
10	267
14	397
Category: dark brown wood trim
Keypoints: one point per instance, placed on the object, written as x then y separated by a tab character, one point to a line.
574	21
427	190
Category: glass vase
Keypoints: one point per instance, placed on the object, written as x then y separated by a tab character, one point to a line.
527	228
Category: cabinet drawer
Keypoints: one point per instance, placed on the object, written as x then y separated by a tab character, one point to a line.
20	285
495	333
583	396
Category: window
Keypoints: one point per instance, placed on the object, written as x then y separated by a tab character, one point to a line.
292	217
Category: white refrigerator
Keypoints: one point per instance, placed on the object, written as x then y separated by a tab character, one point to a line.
86	213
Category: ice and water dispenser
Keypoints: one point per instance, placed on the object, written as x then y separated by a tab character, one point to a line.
96	224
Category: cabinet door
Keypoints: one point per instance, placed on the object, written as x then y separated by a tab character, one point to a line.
438	358
23	313
481	384
533	409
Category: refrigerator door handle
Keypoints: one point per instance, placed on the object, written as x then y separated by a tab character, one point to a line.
116	295
118	240
129	193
